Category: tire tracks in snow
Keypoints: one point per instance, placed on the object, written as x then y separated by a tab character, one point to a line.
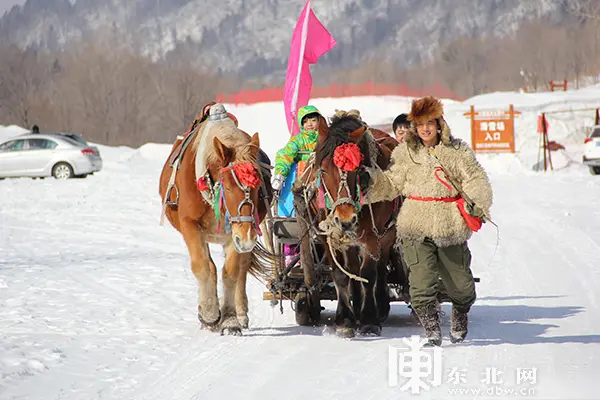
87	279
185	374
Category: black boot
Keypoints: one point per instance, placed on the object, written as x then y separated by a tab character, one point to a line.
430	321
458	326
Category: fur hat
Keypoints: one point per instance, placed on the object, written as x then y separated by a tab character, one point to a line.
423	110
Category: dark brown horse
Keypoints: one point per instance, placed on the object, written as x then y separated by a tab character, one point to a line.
357	236
213	194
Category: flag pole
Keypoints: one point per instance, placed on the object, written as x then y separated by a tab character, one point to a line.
300	62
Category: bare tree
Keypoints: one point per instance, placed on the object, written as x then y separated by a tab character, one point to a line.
587	9
22	77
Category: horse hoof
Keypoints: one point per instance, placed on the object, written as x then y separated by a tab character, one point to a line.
232	331
209	325
383	316
344	332
243	320
370	330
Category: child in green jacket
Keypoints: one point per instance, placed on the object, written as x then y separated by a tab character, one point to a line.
298	148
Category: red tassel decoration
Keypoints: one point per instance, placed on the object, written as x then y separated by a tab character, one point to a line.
202	184
321	197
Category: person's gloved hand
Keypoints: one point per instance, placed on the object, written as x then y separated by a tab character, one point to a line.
277	183
474	210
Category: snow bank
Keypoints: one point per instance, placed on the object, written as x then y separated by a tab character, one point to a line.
568	129
7	132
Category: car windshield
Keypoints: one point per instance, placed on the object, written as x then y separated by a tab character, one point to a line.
596	133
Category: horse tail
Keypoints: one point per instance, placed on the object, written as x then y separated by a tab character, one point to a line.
263	263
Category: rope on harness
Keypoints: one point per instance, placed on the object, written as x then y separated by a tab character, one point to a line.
325	228
218	204
349	274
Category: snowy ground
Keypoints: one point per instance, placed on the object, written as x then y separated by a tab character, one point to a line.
97	300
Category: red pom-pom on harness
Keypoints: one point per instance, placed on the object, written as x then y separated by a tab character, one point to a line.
247	174
347	157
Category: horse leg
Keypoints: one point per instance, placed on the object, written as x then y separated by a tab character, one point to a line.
356	290
231	272
355	287
382	295
345	319
369	314
205	271
241	297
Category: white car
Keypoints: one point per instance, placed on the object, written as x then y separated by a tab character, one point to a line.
48	154
591	151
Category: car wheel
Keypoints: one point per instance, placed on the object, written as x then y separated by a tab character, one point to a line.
62	171
595	170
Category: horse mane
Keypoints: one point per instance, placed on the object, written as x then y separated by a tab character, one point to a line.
341	125
230	135
339	129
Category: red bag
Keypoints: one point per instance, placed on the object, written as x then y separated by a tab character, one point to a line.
473	223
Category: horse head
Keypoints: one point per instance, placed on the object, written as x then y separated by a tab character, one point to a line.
237	171
340	156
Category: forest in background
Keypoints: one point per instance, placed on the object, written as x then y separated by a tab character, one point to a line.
115	96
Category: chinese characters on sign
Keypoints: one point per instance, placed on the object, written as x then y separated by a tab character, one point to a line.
493	131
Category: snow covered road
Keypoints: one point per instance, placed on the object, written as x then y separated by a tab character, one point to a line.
97	302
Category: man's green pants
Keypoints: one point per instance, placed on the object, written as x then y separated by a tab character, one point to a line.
427	263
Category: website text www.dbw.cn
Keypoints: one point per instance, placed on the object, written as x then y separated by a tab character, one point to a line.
492	391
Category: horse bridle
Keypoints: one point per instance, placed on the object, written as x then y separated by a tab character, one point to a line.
340	200
246	200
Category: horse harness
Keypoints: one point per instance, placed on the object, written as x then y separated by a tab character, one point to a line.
212	192
325	201
175	162
253	217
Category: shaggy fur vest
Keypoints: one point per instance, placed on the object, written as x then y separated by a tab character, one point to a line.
413	173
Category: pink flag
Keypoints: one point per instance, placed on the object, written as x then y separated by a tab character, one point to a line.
310	41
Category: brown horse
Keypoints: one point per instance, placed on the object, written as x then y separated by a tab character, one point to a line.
216	200
357	236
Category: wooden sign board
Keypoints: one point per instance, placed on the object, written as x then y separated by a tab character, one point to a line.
493	131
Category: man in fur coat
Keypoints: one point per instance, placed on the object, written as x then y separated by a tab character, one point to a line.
427	170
